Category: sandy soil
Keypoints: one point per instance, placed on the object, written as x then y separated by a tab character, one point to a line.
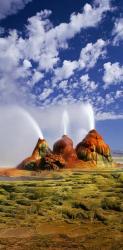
62	236
14	172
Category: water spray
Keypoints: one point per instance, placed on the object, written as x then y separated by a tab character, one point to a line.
33	122
65	121
90	115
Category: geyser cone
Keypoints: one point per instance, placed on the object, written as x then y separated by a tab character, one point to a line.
40	151
93	148
64	147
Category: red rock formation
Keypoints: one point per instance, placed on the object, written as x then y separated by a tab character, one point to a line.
41	149
89	152
52	162
33	162
64	147
93	148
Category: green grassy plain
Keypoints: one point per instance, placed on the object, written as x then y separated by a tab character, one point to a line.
64	210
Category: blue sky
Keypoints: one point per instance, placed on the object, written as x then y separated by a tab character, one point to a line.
69	51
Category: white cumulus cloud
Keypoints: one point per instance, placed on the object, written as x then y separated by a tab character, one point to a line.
66	70
118	31
27	59
87	84
91	53
10	7
102	116
88	58
113	73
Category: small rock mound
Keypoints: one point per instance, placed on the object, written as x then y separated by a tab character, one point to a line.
52	162
41	149
93	148
64	147
33	162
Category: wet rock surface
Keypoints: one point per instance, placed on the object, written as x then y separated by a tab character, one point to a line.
33	162
93	148
52	162
89	152
64	146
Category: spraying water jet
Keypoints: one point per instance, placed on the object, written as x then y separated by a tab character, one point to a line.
65	122
90	116
33	123
88	119
21	131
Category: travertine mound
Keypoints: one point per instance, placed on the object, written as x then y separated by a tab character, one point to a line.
40	151
52	162
89	152
93	148
64	147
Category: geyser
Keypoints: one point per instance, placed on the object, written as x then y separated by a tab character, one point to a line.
19	133
93	148
90	116
75	120
33	123
64	147
65	122
40	151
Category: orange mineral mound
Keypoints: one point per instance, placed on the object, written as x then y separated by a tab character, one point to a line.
64	147
33	162
93	148
52	162
89	152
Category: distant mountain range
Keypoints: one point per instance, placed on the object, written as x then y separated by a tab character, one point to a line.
117	152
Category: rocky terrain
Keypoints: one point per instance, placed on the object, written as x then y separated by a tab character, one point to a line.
90	152
64	147
93	148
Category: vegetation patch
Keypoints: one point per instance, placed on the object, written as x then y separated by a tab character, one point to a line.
72	197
